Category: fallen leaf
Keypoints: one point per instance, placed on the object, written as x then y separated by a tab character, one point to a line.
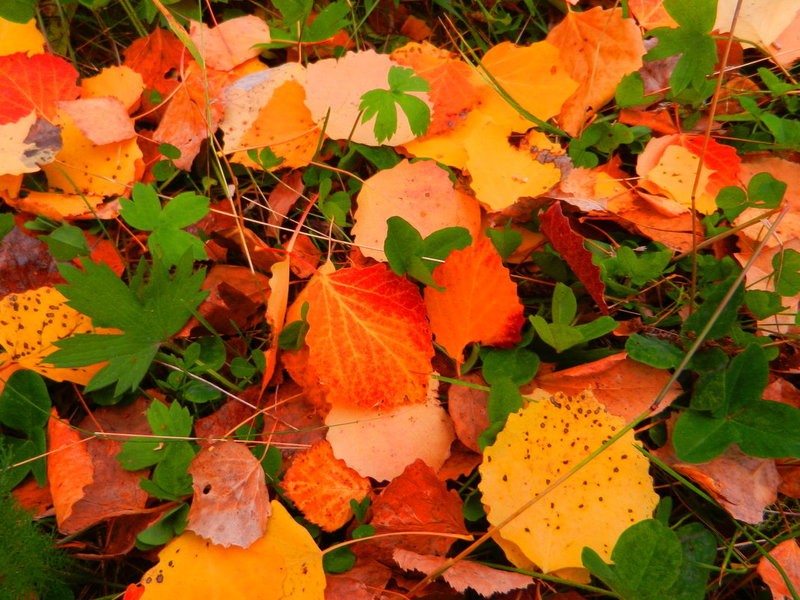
28	144
381	443
479	302
335	107
267	109
757	21
71	472
419	192
368	339
569	244
156	57
35	83
230	506
415	501
651	14
541	443
30	323
291	422
230	43
101	120
25	262
322	486
465	574
624	386
598	47
468	409
20	37
284	563
120	82
787	555
365	581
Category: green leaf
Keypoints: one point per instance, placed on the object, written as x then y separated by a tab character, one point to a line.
505	240
693	15
170	479
517	365
504	399
380	104
25	402
294	11
698	437
565	306
653	351
647	562
763	304
149	314
18	11
630	92
66	242
172	523
339	560
767	429
787	272
712	297
699	549
6	224
746	377
167	240
328	21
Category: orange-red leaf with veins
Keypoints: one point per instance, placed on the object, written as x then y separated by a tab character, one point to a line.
787	555
369	341
231	504
322	486
69	466
34	83
569	244
479	302
416	500
157	58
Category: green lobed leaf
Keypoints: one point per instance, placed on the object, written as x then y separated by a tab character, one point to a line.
787	272
66	242
381	104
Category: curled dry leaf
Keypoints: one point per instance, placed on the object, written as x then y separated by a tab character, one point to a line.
419	192
322	486
230	506
541	443
381	443
465	574
479	302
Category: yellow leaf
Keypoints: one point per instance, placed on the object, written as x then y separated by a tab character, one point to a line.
20	37
541	443
284	564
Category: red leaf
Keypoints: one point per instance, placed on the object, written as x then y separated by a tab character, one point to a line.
34	83
570	245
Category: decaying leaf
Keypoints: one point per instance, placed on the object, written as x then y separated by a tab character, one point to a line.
479	301
231	504
540	444
322	486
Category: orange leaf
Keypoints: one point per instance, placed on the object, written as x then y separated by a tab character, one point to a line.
230	506
69	467
419	192
231	42
369	341
122	83
155	57
599	48
624	386
787	555
322	486
479	302
34	83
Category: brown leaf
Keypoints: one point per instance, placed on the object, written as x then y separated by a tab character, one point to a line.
231	504
468	409
367	580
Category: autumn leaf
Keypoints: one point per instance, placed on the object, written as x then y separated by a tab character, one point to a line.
230	43
323	486
230	506
120	82
369	342
540	444
31	322
787	555
20	37
381	443
420	193
284	563
569	244
478	302
36	83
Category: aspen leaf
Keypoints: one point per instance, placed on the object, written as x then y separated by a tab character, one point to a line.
419	192
120	82
479	301
464	574
27	144
651	13
155	57
598	48
29	324
20	37
757	21
337	105
283	564
381	443
668	166
541	443
231	42
34	83
787	555
369	342
230	506
101	120
322	486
